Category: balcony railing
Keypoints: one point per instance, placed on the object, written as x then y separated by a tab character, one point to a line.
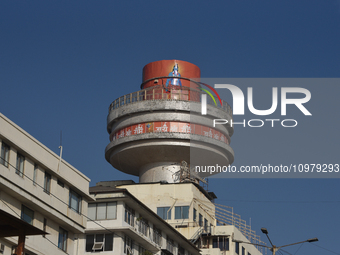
171	93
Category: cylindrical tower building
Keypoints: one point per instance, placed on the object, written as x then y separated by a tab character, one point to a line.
153	130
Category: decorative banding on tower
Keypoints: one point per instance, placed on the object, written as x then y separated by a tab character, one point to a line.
154	129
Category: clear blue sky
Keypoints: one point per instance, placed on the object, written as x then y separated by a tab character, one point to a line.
63	62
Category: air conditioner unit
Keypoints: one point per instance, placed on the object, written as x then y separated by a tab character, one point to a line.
97	246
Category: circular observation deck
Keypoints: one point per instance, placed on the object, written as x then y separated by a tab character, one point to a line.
154	129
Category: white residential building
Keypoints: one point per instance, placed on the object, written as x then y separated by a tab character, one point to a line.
37	187
121	224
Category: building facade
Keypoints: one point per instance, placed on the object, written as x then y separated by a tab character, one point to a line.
188	208
119	223
42	190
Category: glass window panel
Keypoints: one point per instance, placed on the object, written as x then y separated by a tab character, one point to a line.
27	214
182	212
101	211
91	212
215	243
20	165
178	212
99	238
162	211
226	243
111	210
89	243
35	174
62	241
237	248
75	201
47	183
185	210
4	154
108	242
200	219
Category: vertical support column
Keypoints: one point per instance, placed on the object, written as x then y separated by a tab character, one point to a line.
21	244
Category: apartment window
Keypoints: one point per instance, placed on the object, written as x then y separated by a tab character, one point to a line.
62	240
99	242
4	154
47	183
205	224
200	220
2	248
20	165
163	211
182	212
129	216
35	173
27	214
128	245
60	183
194	215
249	253
221	242
102	211
237	248
143	226
170	245
181	250
243	251
75	201
157	236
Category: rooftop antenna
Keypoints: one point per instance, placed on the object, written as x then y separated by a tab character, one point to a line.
61	150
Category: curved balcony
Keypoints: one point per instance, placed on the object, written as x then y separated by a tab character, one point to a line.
160	92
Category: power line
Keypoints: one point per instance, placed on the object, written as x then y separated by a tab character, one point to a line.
285	251
299	248
325	249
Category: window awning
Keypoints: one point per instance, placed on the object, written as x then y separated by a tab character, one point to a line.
13	226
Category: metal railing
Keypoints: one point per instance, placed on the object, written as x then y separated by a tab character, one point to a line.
171	93
226	217
157	237
143	228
